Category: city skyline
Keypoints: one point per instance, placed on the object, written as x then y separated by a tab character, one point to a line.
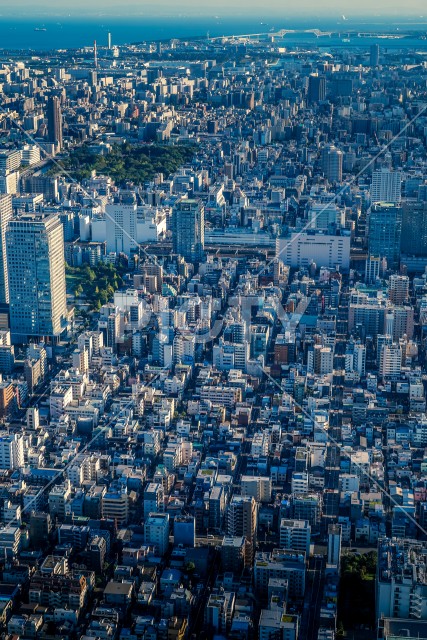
213	325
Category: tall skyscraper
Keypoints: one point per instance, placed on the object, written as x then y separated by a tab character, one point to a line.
316	88
5	216
374	55
385	228
331	159
386	186
35	261
54	121
414	228
188	229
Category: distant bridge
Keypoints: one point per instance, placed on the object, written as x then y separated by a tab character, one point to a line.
276	34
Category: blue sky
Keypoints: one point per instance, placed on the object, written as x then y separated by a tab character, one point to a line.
281	8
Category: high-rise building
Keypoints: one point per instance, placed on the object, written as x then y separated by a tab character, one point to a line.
386	186
316	88
121	222
374	55
398	289
188	229
391	361
54	121
372	269
414	228
403	322
5	216
331	160
241	519
36	276
385	229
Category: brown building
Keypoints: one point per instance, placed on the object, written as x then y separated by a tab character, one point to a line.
7	398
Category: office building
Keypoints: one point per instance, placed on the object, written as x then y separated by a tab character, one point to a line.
331	160
326	216
314	247
374	55
45	184
121	222
384	234
188	229
316	88
54	121
5	216
386	186
36	273
414	228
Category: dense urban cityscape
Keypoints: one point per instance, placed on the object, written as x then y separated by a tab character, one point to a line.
213	340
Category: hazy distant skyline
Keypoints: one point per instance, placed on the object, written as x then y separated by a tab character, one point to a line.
292	8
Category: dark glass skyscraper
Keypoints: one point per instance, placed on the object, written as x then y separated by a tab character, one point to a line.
316	88
54	121
188	229
374	55
385	229
414	228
